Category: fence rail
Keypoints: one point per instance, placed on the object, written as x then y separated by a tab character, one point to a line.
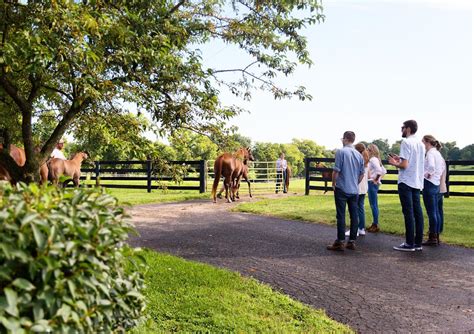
315	174
108	171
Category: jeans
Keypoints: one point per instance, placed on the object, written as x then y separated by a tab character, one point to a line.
361	211
413	214
430	199
440	212
281	178
373	200
341	198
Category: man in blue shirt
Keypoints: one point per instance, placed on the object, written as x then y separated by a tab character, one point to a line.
347	173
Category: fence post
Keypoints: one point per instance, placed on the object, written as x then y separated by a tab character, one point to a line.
97	173
202	176
447	178
148	176
306	172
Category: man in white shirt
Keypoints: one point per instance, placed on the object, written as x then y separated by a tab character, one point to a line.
281	168
57	152
410	163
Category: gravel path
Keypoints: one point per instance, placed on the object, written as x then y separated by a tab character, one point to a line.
372	289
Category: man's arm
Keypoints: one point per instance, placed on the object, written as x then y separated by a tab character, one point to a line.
398	162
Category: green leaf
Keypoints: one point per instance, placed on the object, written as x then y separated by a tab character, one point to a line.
39	237
12	301
23	284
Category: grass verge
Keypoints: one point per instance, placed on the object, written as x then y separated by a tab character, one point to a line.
458	219
185	296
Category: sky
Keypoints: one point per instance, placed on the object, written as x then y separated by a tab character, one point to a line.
376	64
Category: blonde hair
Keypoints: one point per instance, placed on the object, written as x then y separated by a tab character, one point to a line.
360	147
374	152
432	141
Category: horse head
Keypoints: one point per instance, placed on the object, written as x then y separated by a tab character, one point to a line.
80	156
248	154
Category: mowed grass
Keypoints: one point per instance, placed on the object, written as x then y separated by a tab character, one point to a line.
141	196
319	208
185	296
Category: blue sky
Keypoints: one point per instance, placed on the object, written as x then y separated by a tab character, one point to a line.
376	64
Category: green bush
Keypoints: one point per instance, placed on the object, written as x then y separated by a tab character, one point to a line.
62	262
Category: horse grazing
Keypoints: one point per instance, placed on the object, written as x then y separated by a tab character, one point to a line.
326	175
72	168
231	167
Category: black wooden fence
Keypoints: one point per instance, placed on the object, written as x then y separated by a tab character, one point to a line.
128	171
315	174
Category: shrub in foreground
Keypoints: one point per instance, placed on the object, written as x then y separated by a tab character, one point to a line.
62	262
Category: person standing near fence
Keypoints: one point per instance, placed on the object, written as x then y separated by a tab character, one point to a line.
410	163
376	172
57	152
347	173
281	168
363	187
434	167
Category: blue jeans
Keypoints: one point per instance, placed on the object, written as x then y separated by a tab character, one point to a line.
430	198
341	198
373	200
440	212
361	211
413	214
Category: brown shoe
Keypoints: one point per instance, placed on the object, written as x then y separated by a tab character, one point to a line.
374	228
351	245
432	240
336	246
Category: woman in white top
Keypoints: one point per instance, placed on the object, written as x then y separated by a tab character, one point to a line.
375	173
433	170
363	187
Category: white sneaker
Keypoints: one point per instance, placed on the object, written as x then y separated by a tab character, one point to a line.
361	231
348	233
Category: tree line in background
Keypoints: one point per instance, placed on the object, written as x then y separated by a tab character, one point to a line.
123	138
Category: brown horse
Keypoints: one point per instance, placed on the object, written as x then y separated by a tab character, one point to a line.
236	183
18	154
231	167
72	168
287	179
326	174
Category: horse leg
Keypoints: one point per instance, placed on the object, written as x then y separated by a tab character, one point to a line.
248	182
228	188
219	194
236	188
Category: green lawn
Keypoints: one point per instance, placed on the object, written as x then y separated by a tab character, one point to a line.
185	296
459	218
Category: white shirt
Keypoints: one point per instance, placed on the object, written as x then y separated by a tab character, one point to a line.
375	169
413	150
364	184
434	166
281	164
58	154
442	181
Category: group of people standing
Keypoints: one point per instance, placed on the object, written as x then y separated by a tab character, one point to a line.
358	170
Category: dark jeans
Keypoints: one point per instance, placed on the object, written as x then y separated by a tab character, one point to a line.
341	198
281	178
430	199
361	211
440	212
412	212
373	201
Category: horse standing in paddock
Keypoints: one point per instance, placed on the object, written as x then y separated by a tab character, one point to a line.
287	179
326	175
72	168
245	176
230	166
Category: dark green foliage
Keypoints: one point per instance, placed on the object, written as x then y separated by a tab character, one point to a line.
62	262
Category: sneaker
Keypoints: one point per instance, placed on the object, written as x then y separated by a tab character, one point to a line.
404	248
336	246
418	248
348	233
361	231
351	245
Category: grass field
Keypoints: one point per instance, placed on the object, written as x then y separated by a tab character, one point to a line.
185	296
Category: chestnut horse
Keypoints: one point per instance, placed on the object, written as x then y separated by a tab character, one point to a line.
231	167
326	175
287	179
72	168
18	154
245	176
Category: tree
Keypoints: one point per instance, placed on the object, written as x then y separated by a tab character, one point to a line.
383	145
310	148
189	145
77	58
467	153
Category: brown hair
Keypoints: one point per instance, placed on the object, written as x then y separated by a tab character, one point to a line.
350	136
432	141
412	124
360	147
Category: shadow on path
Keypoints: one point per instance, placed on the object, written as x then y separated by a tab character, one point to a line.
372	289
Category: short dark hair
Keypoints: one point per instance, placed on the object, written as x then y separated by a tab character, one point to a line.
350	136
412	125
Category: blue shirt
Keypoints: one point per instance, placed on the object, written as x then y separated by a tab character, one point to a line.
350	165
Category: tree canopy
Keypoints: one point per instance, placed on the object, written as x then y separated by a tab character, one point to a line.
79	58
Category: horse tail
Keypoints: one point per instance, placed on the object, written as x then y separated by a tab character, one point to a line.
217	176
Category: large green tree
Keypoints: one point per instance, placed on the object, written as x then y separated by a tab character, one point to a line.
78	57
